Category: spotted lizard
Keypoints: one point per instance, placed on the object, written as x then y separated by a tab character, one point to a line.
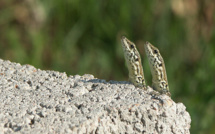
158	70
133	61
156	62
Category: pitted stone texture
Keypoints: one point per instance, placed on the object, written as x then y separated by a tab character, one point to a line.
38	101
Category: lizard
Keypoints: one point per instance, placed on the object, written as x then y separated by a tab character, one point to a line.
134	64
156	62
158	70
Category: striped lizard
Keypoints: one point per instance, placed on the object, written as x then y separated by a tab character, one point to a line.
157	67
158	70
133	60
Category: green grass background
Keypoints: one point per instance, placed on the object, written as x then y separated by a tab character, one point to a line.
83	37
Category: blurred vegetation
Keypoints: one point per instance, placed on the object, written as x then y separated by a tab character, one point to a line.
79	37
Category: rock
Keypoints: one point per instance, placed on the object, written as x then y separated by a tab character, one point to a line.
39	101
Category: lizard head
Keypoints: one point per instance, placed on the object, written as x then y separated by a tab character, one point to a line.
151	50
127	44
130	50
154	56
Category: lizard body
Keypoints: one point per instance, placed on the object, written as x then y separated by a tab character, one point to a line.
133	61
157	67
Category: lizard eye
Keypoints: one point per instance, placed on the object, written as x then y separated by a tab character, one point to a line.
132	46
155	51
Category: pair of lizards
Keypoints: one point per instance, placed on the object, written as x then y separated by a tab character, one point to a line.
156	63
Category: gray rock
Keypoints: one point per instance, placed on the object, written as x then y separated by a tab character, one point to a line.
38	101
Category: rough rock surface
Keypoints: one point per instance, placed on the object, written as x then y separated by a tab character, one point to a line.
38	101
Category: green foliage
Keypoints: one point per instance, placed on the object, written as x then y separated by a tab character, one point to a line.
80	37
